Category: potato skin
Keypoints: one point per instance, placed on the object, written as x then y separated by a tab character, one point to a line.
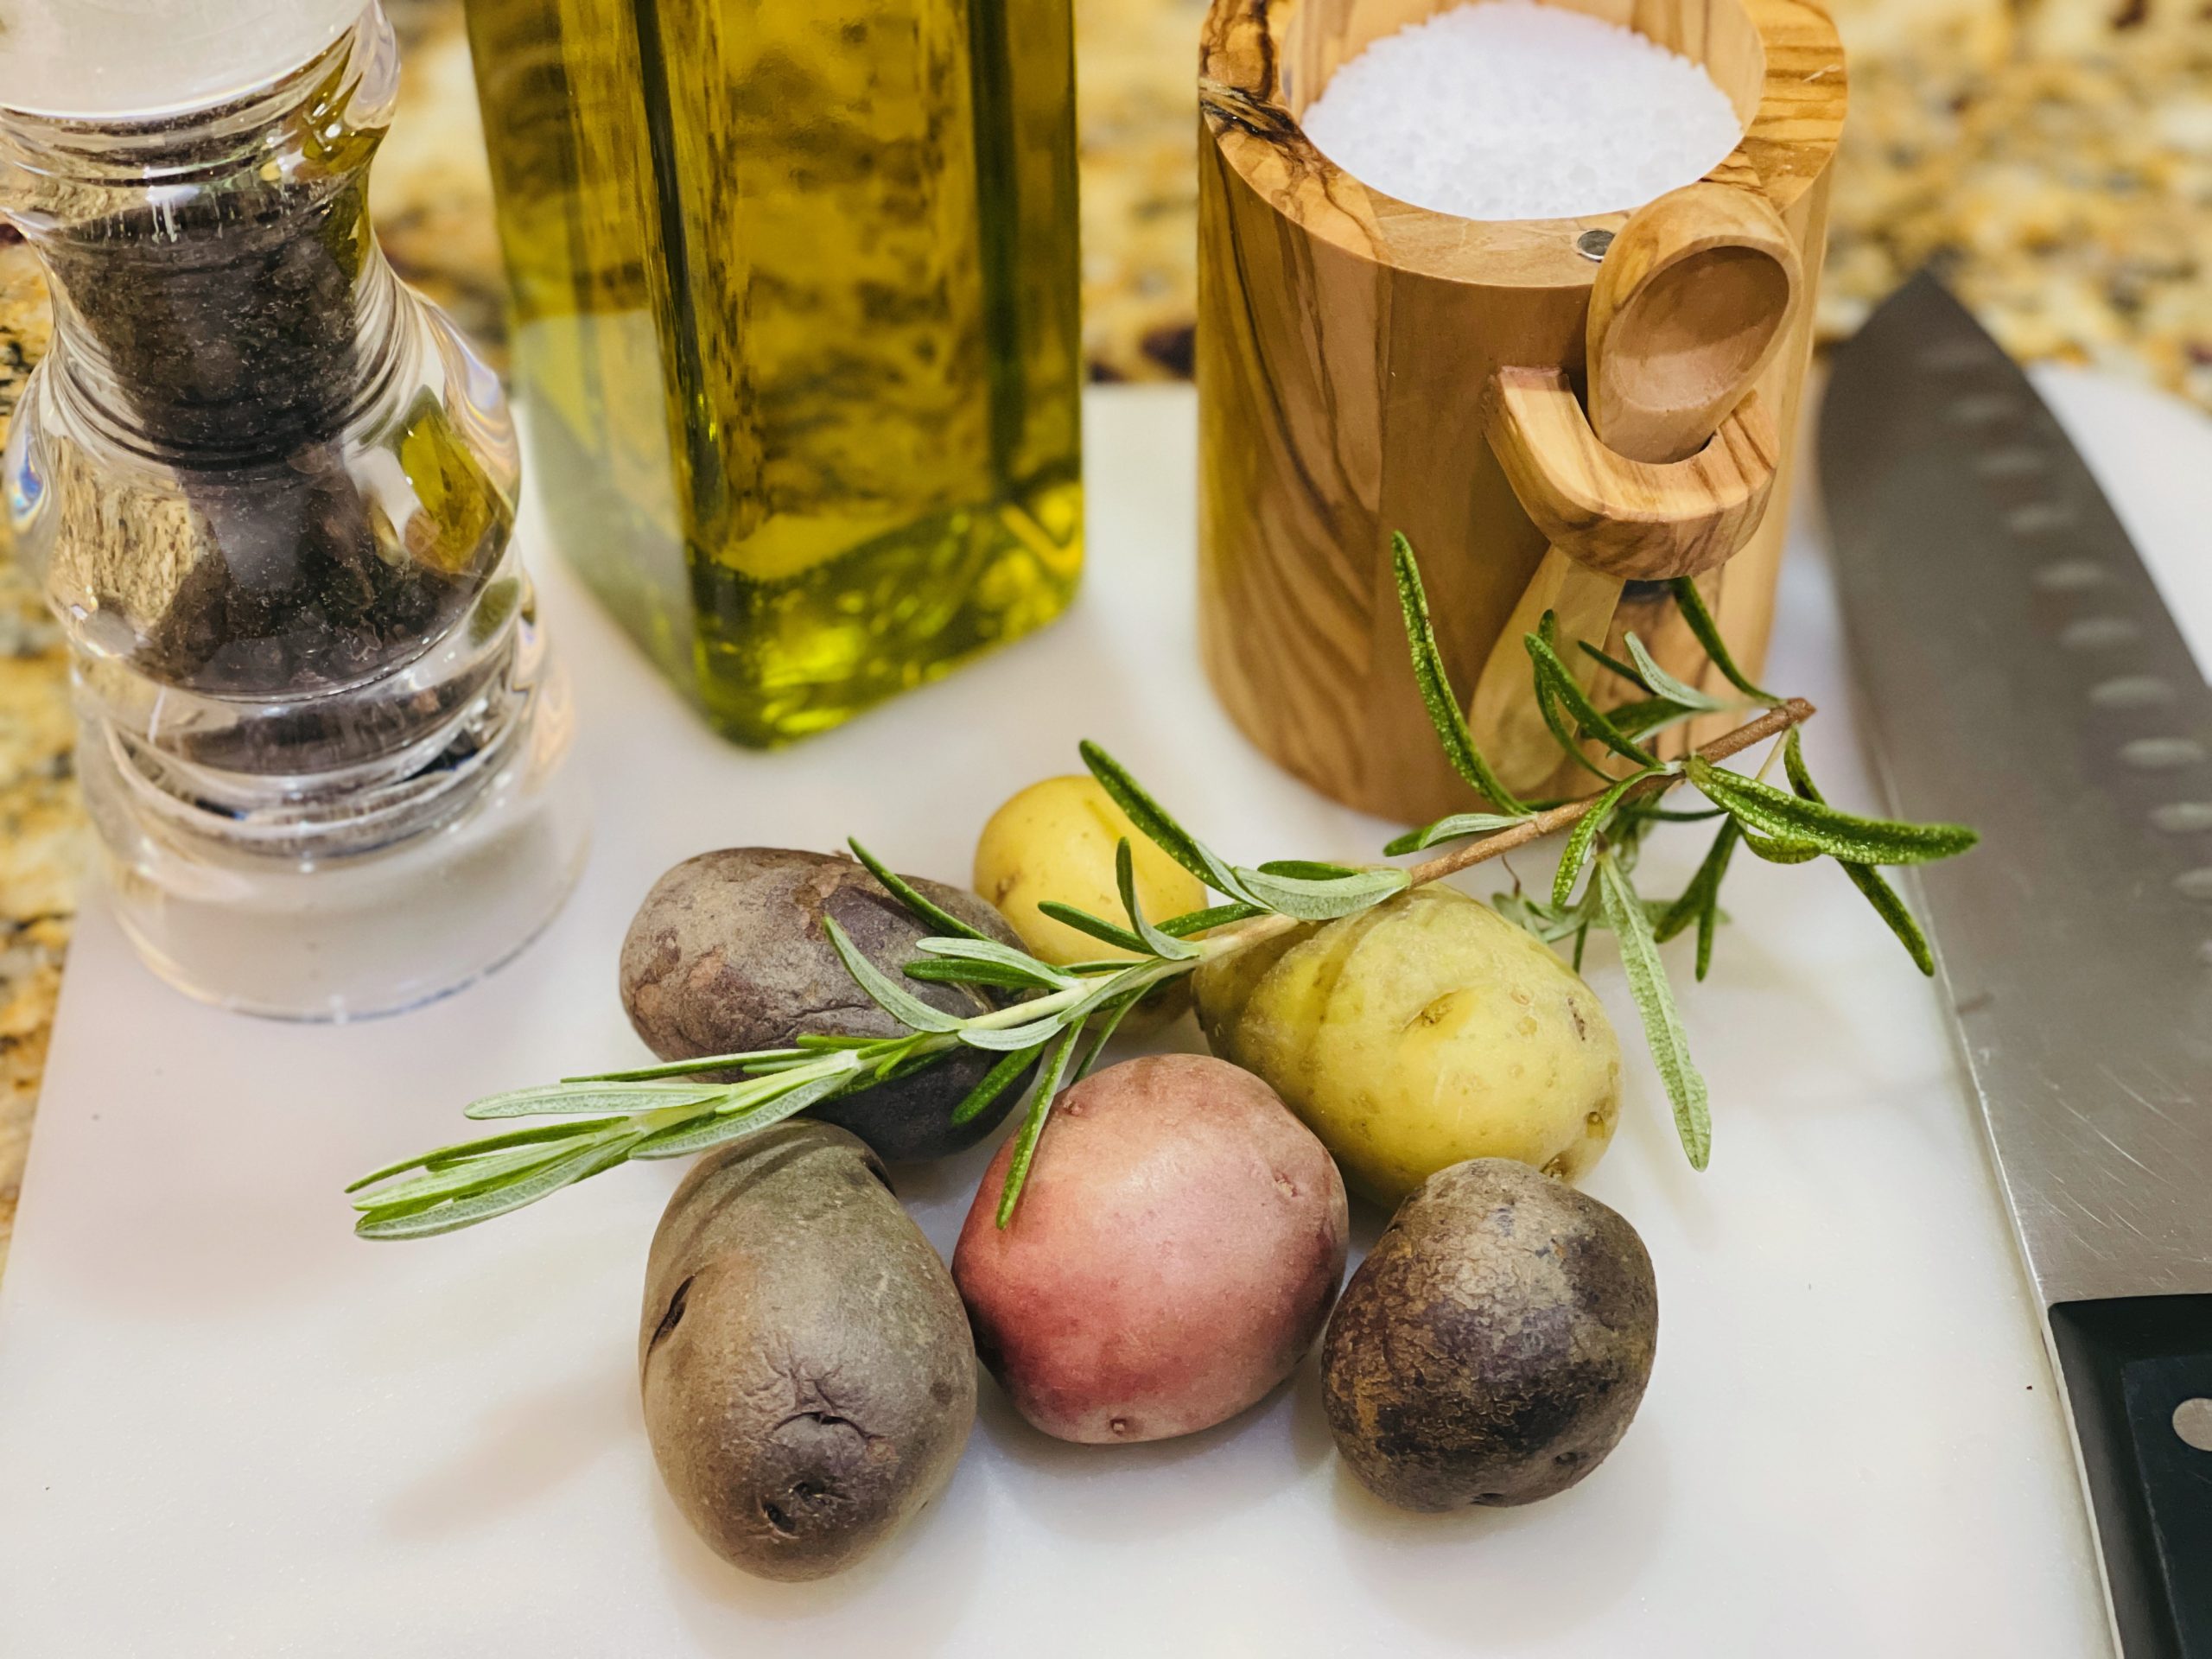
808	1376
727	953
1494	1345
1176	1250
1421	1033
1056	839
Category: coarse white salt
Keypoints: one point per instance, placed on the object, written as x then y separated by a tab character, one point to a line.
1508	109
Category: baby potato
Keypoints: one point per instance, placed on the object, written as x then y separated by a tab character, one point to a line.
1175	1252
730	952
1421	1033
1056	839
807	1374
1494	1345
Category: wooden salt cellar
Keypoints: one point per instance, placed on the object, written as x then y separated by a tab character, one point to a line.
1366	366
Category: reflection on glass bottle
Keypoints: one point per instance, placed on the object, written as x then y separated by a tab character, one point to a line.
796	324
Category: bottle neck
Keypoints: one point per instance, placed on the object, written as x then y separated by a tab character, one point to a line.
218	292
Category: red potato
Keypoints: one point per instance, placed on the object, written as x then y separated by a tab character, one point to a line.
1175	1253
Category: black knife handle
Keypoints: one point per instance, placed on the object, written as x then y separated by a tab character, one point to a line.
2138	1373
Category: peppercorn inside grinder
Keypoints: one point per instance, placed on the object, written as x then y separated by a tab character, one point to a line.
269	492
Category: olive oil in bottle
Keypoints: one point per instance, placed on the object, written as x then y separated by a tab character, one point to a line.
795	323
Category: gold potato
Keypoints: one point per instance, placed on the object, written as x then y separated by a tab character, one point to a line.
1056	839
1419	1034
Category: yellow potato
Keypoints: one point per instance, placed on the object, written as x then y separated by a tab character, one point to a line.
1419	1034
1056	839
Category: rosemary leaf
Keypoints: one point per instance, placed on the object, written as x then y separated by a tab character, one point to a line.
901	1005
888	1062
1585	836
935	970
1455	828
1042	974
1890	907
1151	940
1201	921
679	1140
1666	685
693	1065
995	1082
1547	922
1445	712
1654	1004
466	1176
1571	695
1775	850
453	1156
1708	923
1153	822
446	1156
546	1098
1671	815
1008	1039
1650	716
1033	1126
1098	927
1114	1013
1310	900
1006	956
1306	869
1547	700
1842	835
1697	898
1887	903
1607	660
1692	605
401	1222
904	892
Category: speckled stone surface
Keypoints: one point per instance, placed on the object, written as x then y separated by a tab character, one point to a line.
2052	159
41	825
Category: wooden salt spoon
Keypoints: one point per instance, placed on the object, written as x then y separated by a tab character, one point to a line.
1693	298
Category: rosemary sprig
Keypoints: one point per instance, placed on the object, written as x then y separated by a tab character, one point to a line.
611	1117
1786	827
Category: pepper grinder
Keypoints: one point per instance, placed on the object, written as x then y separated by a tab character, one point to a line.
269	492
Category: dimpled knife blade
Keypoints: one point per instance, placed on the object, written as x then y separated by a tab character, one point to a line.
2021	674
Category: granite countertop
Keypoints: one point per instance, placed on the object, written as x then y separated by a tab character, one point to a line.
42	835
2053	158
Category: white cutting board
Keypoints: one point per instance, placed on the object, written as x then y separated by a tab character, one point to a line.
226	1426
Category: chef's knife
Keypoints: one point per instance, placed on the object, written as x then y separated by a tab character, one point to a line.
2021	673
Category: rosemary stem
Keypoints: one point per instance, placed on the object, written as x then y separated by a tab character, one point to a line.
1020	1013
1776	720
1773	723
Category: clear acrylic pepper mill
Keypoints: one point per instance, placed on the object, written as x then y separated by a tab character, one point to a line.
269	492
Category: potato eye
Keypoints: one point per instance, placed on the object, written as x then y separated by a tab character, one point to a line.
673	1316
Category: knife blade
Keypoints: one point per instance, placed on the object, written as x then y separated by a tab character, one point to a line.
2021	672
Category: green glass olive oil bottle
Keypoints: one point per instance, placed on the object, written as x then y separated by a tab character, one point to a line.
796	328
